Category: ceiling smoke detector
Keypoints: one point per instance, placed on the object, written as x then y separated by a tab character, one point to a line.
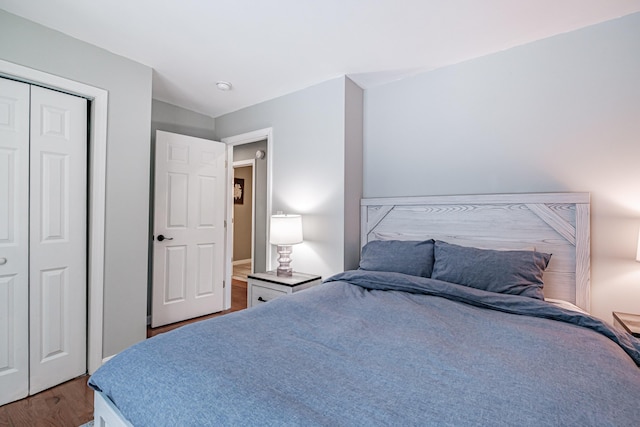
224	86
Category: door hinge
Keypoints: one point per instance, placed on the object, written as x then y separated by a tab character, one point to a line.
224	284
225	223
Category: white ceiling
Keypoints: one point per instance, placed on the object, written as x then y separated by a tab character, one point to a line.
268	48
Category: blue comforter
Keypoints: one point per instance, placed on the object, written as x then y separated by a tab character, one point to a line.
373	348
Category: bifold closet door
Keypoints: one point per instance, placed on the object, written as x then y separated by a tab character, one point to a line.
58	238
43	222
14	240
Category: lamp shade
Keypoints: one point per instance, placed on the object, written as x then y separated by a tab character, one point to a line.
286	230
638	252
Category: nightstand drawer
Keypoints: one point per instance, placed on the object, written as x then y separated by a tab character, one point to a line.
260	294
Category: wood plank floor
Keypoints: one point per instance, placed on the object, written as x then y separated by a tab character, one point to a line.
71	404
238	302
241	271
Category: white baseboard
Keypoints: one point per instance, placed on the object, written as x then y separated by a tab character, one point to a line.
242	261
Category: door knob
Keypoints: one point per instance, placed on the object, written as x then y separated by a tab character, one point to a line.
161	238
3	261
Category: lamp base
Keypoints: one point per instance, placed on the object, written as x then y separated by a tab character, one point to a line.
284	260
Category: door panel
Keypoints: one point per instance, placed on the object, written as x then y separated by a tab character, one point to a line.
57	238
14	240
207	199
206	272
52	287
176	274
54	203
177	200
189	211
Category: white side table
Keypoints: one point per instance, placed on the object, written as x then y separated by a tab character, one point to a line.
263	287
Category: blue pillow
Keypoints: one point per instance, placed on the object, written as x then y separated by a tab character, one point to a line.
505	272
400	256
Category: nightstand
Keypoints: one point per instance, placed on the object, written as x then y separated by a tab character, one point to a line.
628	322
263	287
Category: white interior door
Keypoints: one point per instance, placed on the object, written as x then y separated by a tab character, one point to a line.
14	240
189	211
58	238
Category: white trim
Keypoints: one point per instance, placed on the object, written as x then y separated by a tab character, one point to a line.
241	261
231	141
105	413
481	198
97	191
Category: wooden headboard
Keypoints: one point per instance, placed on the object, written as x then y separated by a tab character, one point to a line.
556	223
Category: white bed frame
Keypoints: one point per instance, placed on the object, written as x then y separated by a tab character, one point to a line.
556	223
106	414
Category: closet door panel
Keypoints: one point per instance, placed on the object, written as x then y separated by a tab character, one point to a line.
14	240
58	237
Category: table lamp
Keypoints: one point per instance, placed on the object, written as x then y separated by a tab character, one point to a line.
286	230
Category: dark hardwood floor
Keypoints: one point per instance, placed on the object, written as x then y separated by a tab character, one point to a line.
238	302
71	404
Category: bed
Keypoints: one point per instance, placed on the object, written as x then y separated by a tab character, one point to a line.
466	310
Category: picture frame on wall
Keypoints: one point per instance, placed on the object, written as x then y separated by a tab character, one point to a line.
238	191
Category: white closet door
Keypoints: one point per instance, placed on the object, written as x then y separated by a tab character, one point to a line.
14	240
57	238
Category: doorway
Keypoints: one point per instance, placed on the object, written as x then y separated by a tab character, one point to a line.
243	151
243	219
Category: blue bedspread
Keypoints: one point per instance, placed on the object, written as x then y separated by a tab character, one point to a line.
373	348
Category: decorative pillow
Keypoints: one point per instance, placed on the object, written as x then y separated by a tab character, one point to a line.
400	256
506	272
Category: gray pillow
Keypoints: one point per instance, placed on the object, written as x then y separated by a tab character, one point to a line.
506	272
400	256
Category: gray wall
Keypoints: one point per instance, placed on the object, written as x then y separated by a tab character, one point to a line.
170	118
129	85
561	114
353	173
309	169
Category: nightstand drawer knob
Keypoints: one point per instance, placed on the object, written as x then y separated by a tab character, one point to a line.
262	299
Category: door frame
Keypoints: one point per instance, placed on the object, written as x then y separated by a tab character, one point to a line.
232	141
97	164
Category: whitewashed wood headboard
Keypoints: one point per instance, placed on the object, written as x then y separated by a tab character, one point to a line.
556	223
